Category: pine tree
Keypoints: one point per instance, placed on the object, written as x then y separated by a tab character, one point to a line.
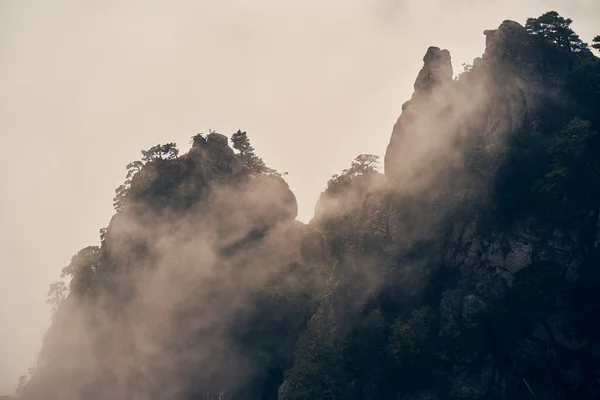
556	30
254	163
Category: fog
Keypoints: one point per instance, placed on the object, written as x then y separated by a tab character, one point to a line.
84	86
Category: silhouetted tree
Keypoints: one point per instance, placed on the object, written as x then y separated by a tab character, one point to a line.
88	257
198	139
156	154
254	163
102	235
467	67
363	164
56	294
167	151
555	30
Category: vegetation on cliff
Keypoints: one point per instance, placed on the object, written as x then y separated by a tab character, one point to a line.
468	270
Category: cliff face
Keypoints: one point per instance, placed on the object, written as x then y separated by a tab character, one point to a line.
455	281
469	270
173	302
512	85
432	89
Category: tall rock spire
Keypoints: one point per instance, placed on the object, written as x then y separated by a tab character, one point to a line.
512	86
436	71
432	88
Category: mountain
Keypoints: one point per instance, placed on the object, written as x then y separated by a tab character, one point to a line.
469	269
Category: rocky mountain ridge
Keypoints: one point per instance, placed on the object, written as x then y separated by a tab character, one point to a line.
467	271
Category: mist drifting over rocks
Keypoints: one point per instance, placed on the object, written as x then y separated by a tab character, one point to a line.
448	276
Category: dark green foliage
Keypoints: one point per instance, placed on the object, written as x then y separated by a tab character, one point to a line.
363	221
572	183
167	151
467	67
86	258
318	371
254	163
466	340
553	174
362	165
584	87
555	30
83	269
102	235
400	340
198	140
525	159
368	358
532	296
413	347
160	158
357	366
120	196
272	327
548	170
539	292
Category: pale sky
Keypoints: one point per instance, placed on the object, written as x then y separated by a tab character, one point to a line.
86	85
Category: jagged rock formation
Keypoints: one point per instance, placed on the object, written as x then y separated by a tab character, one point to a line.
509	87
174	301
424	113
468	271
441	246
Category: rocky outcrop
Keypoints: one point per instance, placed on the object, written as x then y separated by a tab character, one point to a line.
423	113
214	155
518	85
506	89
436	72
502	289
417	284
201	248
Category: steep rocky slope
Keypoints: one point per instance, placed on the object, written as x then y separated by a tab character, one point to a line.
173	302
471	273
469	270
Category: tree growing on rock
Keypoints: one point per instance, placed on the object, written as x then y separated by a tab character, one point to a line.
88	257
198	140
363	164
255	164
167	151
574	176
555	30
596	41
56	294
158	155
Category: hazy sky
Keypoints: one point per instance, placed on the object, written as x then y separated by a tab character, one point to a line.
85	85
